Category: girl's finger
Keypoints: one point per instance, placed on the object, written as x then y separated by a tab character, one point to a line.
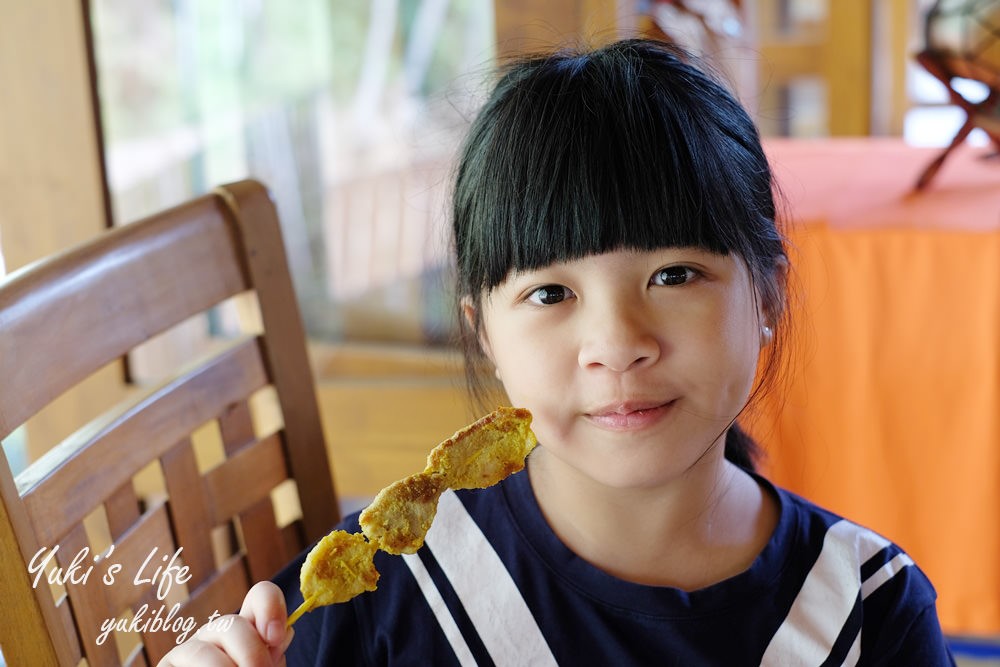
264	607
196	652
238	639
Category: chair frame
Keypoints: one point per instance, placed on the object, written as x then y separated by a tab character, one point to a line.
946	68
63	318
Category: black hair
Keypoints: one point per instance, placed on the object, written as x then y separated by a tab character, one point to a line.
629	146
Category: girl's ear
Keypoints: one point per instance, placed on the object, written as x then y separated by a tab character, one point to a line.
766	335
774	301
468	311
473	321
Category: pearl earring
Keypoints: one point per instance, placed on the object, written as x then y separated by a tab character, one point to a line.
766	332
496	371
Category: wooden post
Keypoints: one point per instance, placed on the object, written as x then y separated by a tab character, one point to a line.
52	181
849	67
836	50
893	28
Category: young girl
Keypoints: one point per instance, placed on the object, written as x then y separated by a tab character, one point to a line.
622	272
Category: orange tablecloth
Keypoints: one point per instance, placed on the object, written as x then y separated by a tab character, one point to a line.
892	410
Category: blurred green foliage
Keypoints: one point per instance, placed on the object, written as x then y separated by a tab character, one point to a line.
163	63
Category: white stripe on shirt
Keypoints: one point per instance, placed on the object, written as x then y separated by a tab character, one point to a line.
884	574
487	592
854	655
440	610
826	599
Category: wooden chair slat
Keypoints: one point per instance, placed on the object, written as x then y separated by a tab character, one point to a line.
222	594
286	360
291	536
192	527
234	486
170	413
137	658
96	601
156	645
89	600
34	608
122	508
236	427
67	624
182	262
141	551
264	545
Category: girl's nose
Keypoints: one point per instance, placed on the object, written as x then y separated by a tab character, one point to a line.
618	340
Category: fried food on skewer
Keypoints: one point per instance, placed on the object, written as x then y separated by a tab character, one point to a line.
483	453
338	568
477	456
341	565
402	512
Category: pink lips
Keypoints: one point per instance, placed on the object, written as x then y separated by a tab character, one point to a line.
629	416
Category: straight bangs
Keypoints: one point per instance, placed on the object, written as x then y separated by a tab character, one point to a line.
584	157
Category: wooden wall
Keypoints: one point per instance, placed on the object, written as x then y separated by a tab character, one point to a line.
51	175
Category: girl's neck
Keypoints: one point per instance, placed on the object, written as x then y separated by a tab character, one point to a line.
703	527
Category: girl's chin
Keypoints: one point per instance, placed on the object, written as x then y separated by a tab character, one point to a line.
622	460
611	475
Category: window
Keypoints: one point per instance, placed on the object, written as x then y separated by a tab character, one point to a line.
349	111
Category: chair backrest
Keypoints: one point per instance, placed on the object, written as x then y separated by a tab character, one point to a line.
64	318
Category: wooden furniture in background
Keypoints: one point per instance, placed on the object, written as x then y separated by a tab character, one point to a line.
835	50
850	55
963	42
212	468
526	26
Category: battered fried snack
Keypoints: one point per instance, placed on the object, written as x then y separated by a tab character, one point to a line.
402	512
478	456
341	565
483	453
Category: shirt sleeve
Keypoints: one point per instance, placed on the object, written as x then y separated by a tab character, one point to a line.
924	644
904	627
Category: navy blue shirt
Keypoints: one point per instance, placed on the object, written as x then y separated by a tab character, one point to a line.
493	585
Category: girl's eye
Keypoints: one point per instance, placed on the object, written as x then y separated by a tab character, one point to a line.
673	275
549	295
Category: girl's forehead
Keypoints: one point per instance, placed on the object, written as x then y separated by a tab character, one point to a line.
662	252
639	259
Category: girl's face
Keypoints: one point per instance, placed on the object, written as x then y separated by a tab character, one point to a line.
632	362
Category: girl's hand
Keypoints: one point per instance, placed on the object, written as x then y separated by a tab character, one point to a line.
256	637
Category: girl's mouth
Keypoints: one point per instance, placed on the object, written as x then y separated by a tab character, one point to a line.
629	416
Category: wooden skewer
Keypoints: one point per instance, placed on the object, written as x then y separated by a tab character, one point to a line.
303	608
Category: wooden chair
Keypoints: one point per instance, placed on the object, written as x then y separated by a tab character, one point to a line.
962	41
66	317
